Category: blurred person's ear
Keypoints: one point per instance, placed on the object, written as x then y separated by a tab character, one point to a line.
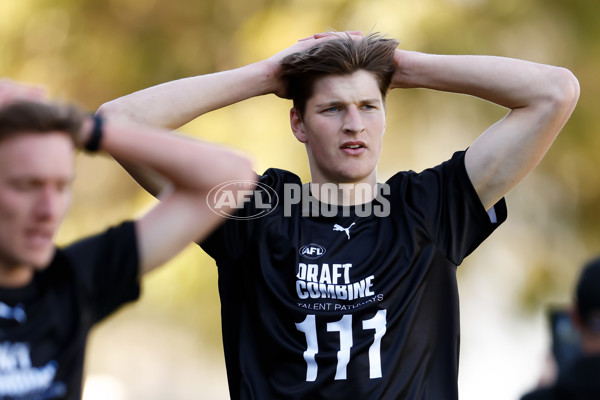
576	318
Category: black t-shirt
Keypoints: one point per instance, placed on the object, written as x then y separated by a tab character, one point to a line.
580	381
44	326
348	304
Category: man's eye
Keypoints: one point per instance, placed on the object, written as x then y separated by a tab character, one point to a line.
63	186
24	185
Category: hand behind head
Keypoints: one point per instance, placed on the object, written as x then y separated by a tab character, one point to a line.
11	91
279	87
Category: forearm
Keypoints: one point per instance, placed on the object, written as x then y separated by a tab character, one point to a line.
540	98
193	169
173	104
508	82
186	164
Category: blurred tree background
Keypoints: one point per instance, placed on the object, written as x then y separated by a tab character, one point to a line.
91	51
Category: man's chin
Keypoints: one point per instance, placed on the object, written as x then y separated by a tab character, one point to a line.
43	259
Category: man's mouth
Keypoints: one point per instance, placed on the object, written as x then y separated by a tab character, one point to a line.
39	237
353	145
353	148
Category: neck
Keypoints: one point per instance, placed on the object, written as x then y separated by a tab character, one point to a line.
590	343
344	194
14	277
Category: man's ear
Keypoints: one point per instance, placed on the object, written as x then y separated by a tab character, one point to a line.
576	318
297	125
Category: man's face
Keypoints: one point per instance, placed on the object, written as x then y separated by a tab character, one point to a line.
343	127
36	171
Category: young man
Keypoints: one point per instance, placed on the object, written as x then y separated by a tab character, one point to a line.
580	380
50	298
320	299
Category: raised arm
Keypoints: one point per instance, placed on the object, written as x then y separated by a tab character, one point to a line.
192	167
173	104
540	98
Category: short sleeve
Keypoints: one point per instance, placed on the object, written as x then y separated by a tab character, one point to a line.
107	266
446	204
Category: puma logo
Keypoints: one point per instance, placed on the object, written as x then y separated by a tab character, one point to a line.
340	228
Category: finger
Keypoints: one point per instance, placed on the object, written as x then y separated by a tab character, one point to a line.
34	93
330	34
11	91
318	36
339	34
325	34
307	38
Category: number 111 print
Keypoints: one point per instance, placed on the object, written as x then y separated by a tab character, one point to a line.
344	326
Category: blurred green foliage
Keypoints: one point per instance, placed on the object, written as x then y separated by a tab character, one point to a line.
91	51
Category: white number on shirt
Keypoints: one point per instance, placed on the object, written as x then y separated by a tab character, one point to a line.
344	327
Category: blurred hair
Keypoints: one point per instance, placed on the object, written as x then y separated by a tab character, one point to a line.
340	56
35	117
588	295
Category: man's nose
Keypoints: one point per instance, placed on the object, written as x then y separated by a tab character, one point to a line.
47	206
353	122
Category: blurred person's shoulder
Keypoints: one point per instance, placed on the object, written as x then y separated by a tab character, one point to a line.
548	393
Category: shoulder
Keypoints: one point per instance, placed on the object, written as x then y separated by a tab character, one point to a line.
274	186
447	178
276	178
231	238
454	165
59	271
105	267
122	235
114	247
542	394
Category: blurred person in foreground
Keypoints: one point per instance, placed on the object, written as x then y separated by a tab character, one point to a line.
581	379
51	297
346	288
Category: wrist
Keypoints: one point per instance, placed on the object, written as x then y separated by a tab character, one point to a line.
404	61
90	136
268	77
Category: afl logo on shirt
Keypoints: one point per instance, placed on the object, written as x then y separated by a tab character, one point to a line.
312	251
225	198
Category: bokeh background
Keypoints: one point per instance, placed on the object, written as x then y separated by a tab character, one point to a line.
168	346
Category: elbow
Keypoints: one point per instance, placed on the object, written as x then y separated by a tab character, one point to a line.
246	180
107	108
115	111
566	89
225	165
242	169
238	179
